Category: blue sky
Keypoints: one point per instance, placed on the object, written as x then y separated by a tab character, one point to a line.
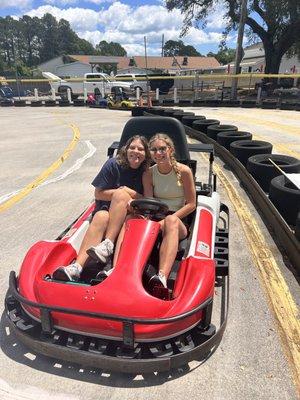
125	22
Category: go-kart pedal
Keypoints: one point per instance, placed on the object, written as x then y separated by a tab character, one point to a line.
161	293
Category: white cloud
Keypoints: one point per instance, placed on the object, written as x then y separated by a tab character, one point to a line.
21	4
61	2
73	2
80	19
129	25
216	18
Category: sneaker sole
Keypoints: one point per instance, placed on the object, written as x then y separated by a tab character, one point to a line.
62	275
92	253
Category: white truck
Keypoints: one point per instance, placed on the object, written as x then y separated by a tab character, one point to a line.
97	83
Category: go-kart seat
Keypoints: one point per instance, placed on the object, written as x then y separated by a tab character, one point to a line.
149	126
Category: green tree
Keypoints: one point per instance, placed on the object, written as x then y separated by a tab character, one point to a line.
30	30
7	40
178	48
110	49
49	37
224	55
26	42
275	22
85	47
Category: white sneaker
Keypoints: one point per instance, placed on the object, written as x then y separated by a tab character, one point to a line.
69	273
101	252
158	280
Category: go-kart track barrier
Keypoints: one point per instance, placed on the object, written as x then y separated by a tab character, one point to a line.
286	240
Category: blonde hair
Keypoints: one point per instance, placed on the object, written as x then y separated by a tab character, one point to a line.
169	142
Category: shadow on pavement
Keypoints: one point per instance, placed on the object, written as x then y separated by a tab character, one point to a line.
16	351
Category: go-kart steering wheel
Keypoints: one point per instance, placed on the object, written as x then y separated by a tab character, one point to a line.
150	207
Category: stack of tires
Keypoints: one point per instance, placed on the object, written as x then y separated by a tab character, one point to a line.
257	157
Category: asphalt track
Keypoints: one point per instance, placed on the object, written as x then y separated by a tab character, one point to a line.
48	159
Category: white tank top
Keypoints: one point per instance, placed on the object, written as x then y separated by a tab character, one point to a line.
167	189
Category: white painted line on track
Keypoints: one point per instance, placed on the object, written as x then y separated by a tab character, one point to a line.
78	164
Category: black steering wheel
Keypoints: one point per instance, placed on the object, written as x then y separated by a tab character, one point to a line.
150	207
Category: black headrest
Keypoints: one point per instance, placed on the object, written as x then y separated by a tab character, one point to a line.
149	126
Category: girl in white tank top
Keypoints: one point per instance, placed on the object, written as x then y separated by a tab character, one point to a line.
172	183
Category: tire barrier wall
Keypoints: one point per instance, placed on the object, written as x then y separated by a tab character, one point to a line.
287	241
284	236
293	106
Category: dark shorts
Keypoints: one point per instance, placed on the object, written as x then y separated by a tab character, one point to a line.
99	208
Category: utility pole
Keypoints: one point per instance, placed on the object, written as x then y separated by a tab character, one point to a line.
146	62
162	44
239	48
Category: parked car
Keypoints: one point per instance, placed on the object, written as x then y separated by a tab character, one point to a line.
6	92
97	83
138	81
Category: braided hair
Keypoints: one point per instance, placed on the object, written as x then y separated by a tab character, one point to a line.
169	142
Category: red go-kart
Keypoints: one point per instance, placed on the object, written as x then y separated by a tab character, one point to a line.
118	324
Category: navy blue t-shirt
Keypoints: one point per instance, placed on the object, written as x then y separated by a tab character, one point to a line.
112	175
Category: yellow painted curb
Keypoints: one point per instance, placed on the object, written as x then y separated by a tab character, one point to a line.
44	175
279	297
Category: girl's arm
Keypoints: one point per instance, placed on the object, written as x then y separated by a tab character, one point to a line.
148	183
189	192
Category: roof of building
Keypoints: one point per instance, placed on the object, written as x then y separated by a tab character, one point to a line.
153	62
253	51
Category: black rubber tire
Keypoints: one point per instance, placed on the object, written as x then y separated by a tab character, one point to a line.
287	106
19	103
138	111
243	149
78	103
230	103
171	111
168	102
157	111
225	138
213	102
202	124
185	102
213	130
264	171
50	103
269	104
180	115
64	103
189	119
286	198
36	103
199	103
5	103
248	104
